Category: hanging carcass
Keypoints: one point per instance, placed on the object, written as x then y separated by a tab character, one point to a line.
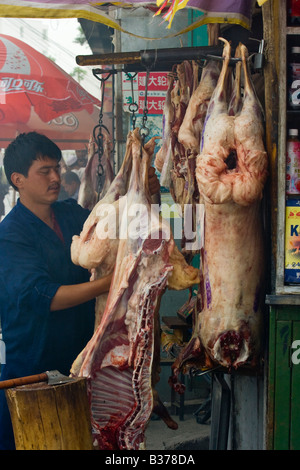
119	355
90	251
98	254
190	131
96	250
231	173
184	115
88	190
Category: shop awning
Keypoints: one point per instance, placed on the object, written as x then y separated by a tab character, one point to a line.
214	11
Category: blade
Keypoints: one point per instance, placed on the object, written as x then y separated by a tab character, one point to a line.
56	378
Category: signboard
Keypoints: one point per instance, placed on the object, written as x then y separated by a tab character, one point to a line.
156	92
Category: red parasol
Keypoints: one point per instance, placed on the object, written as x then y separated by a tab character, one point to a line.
36	94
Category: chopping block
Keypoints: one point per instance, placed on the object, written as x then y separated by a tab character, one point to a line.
51	417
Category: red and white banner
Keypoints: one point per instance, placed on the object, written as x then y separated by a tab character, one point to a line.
156	92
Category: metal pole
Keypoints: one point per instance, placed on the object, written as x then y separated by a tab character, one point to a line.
220	412
150	57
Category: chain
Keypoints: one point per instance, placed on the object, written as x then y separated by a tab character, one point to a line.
133	107
99	137
144	130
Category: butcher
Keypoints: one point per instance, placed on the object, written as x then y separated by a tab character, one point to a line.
46	302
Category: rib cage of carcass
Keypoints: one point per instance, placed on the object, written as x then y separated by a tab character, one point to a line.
231	173
123	354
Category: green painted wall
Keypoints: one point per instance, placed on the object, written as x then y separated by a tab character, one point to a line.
197	37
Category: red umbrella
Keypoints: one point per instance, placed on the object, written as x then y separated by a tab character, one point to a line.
69	131
36	94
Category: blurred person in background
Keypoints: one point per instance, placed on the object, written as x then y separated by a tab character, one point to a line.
76	161
70	183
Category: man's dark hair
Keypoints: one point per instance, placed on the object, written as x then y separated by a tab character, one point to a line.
26	148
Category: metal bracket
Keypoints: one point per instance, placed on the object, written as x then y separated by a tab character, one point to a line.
259	56
220	413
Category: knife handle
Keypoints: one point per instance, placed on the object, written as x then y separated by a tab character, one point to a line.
30	379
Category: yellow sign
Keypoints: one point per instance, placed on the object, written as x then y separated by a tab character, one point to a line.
292	241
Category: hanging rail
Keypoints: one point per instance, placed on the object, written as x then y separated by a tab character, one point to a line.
165	59
156	59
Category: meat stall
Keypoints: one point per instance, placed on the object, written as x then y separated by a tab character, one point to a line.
228	155
225	172
262	397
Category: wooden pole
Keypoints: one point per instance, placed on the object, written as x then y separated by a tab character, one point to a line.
273	40
48	417
271	37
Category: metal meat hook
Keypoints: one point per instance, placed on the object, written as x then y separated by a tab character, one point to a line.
98	137
144	130
133	107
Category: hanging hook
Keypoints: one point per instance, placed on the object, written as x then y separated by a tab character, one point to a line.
144	130
98	130
133	106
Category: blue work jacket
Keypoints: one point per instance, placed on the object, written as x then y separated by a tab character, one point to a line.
34	263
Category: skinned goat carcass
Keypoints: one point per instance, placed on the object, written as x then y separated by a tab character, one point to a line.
163	160
231	173
185	111
119	355
180	98
87	194
189	136
191	128
99	255
88	190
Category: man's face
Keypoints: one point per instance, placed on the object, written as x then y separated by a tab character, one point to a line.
42	184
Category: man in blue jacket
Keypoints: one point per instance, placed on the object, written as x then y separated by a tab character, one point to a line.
46	302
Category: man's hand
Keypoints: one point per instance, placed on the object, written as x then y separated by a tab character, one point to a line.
153	181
